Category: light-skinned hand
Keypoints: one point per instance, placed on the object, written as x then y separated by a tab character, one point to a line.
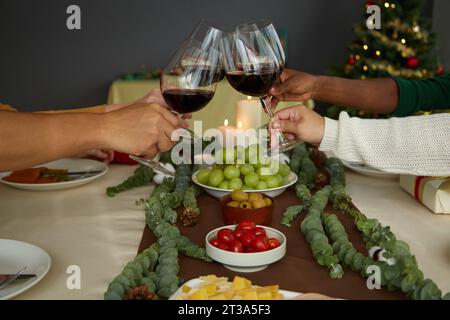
301	123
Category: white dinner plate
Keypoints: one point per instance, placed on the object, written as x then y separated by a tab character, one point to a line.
369	171
14	255
73	165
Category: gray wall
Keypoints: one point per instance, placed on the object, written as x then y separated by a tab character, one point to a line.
441	25
43	65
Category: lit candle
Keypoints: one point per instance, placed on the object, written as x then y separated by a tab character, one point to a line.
227	134
250	113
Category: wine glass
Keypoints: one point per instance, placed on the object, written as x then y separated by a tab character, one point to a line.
253	57
189	80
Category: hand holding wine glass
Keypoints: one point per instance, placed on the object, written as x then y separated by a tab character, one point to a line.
293	86
253	61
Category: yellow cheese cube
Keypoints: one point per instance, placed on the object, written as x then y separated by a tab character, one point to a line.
264	295
229	294
241	283
251	295
277	296
200	294
273	288
210	288
242	292
186	289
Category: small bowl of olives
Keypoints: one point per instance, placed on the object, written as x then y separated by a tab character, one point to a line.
254	206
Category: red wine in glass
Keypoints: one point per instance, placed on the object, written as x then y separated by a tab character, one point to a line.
187	100
252	84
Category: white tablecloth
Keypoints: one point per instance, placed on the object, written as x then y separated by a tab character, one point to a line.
84	227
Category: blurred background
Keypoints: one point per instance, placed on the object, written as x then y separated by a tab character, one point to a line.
43	65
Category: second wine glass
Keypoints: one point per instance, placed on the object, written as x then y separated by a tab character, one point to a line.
189	80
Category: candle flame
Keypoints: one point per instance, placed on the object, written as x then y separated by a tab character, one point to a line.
240	125
225	123
249	98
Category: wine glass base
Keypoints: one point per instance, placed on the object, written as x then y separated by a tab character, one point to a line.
285	147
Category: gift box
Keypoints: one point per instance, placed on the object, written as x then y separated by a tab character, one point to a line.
433	192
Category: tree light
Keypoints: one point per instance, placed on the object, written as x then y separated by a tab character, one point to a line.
365	47
377	52
365	68
393	5
403	41
386	4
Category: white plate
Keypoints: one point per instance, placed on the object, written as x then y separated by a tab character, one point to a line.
70	164
274	192
369	171
14	255
195	283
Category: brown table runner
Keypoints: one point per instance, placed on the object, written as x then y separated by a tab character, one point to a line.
297	271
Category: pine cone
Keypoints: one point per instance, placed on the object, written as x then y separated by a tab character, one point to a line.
189	217
318	157
322	179
139	293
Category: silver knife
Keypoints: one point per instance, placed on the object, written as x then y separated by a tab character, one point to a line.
7	277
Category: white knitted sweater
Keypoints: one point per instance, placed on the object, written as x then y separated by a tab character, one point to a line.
418	145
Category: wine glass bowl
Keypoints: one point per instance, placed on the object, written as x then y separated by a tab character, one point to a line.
253	61
189	80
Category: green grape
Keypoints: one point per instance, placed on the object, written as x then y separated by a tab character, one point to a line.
239	154
246	169
261	185
224	185
235	184
263	161
251	154
284	170
246	187
203	175
251	179
263	172
280	179
225	156
216	177
231	171
272	182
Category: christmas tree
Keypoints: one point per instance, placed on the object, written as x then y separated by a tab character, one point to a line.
402	47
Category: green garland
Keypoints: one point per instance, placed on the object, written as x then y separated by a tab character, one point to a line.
137	272
142	176
157	267
322	229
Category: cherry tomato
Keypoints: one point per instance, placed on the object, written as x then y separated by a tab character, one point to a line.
273	243
251	250
258	231
225	235
246	225
237	233
214	242
260	243
246	238
222	246
235	246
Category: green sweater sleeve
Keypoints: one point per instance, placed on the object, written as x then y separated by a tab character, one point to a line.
426	95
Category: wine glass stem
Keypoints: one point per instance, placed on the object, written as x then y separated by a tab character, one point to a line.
265	100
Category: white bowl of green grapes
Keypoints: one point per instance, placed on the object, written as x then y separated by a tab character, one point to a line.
265	175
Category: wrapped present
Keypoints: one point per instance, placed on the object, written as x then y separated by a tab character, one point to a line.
433	192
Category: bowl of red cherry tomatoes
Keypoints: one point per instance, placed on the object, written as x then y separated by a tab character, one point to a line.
245	247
